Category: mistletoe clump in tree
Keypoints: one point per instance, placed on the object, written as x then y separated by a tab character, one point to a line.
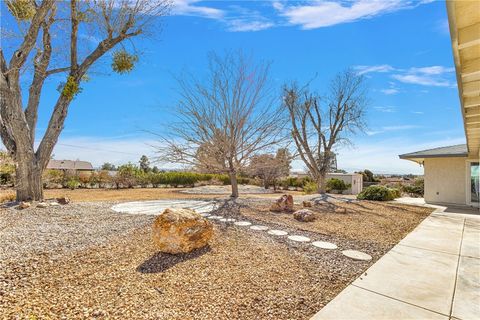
50	38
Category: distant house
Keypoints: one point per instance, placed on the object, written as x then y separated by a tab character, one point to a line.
70	165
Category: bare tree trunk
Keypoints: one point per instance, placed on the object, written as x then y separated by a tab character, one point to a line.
29	179
322	184
234	183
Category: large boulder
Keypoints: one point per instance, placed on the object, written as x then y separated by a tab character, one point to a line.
304	215
283	204
181	231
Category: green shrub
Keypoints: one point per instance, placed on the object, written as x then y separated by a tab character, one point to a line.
417	188
337	184
378	193
293	182
72	183
310	187
396	192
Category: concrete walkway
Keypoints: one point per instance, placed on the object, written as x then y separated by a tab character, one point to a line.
433	273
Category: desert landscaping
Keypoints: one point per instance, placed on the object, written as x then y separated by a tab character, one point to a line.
57	256
251	160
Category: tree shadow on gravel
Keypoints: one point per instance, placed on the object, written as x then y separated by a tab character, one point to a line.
161	262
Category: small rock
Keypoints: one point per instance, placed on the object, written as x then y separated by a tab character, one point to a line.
63	200
307	204
54	204
181	231
304	215
24	205
42	205
283	204
341	210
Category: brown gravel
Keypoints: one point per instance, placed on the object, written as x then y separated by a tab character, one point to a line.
383	223
83	261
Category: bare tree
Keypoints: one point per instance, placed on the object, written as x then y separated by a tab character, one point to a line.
270	167
319	125
47	30
224	119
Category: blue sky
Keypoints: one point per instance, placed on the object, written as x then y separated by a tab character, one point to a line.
402	47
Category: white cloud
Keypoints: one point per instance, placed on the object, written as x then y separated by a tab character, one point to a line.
434	76
318	14
433	70
378	68
423	80
389	91
387	109
418	112
235	18
189	8
392	128
242	25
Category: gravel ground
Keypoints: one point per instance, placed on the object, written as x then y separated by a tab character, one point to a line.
367	224
84	261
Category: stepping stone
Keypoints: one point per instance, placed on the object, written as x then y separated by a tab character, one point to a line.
357	255
242	223
227	220
277	232
259	228
299	238
324	245
215	217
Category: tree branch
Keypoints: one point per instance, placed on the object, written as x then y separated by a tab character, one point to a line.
21	54
41	62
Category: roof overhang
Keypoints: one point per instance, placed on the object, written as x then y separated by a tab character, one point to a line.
464	21
421	159
457	151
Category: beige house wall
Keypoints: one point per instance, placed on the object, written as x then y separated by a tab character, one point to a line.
354	179
445	180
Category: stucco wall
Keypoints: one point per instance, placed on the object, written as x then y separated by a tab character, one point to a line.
355	180
445	180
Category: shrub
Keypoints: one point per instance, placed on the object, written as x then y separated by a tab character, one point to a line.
103	178
7	197
378	193
53	176
126	176
84	178
396	192
417	188
93	179
72	183
310	187
293	182
337	184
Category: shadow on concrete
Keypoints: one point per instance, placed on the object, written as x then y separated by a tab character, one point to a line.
161	262
463	210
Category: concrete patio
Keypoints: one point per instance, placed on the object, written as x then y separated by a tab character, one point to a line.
433	273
